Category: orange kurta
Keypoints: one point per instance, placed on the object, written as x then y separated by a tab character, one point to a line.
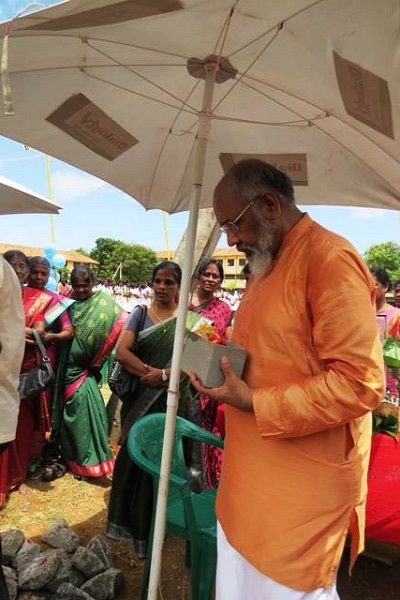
294	472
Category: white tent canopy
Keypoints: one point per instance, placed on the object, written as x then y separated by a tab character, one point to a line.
16	199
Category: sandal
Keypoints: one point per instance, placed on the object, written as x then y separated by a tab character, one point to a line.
36	474
55	471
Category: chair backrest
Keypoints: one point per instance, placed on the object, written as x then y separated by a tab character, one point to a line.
190	515
145	443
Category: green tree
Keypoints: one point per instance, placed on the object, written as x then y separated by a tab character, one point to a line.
135	262
385	256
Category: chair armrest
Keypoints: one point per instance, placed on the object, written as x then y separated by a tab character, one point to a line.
190	430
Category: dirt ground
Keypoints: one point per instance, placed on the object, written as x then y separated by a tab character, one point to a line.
83	506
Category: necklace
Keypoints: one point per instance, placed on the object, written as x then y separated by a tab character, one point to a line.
159	319
196	300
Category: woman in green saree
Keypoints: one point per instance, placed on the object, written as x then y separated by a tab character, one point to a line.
131	500
97	322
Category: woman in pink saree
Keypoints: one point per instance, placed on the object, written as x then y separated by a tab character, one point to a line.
210	275
27	447
388	313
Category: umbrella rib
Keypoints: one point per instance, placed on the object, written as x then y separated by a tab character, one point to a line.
311	121
278	89
297	123
224	31
85	40
140	76
350	151
278	26
242	75
164	143
145	96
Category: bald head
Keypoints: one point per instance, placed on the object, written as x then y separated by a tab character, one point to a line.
250	177
254	204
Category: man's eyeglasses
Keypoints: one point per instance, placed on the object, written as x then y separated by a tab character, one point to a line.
232	226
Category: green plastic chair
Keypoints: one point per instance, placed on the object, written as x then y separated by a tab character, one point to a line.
190	515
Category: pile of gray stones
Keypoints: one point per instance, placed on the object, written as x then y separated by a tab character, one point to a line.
65	571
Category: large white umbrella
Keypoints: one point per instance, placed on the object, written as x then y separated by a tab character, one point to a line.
16	199
114	87
159	97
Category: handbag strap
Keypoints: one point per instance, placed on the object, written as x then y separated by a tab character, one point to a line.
140	325
40	344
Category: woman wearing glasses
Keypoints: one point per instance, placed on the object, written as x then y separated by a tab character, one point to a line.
209	276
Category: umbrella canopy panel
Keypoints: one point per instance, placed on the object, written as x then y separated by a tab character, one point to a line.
16	199
116	88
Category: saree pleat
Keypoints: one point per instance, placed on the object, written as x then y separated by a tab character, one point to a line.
87	455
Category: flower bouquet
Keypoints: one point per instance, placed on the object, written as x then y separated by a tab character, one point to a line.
203	350
391	352
386	419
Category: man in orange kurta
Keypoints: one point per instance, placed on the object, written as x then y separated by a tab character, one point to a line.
298	427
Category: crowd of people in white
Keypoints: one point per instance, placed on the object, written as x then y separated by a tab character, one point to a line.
128	295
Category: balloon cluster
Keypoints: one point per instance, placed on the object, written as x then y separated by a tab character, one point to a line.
57	261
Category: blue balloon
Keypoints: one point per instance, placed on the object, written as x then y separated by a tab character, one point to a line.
54	273
51	285
58	261
49	251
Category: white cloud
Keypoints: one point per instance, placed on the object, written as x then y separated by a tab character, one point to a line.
67	185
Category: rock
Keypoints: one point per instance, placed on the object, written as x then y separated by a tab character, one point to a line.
102	549
67	591
105	586
63	573
77	577
59	535
11	582
11	542
30	595
66	573
28	551
87	562
39	571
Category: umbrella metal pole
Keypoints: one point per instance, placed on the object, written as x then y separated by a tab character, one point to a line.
173	390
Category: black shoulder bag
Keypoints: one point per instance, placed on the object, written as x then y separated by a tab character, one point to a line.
39	378
120	381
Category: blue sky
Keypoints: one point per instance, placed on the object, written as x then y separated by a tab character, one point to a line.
93	209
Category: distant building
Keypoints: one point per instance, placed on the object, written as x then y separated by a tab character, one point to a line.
232	262
73	258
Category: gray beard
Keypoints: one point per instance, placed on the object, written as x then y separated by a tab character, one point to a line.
260	264
260	257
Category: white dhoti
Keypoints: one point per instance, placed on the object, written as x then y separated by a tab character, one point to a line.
237	579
